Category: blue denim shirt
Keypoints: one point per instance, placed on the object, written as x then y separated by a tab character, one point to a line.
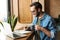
48	23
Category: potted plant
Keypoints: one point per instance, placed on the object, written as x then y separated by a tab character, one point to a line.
12	20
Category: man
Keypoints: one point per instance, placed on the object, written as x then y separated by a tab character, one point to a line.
43	22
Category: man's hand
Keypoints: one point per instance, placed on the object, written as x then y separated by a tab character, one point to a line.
37	27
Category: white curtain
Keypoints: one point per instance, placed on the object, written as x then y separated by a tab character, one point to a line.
3	16
3	10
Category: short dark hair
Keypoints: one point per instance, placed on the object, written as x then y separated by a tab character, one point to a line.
37	5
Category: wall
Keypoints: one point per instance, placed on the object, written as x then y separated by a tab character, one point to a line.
52	7
14	7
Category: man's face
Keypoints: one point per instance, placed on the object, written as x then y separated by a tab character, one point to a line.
33	10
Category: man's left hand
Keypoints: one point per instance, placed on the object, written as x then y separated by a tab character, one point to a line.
37	27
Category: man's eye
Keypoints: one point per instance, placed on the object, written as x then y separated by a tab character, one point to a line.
32	11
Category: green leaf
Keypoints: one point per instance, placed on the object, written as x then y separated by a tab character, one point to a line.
1	24
12	20
14	23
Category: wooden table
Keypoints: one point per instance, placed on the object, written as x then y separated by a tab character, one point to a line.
28	37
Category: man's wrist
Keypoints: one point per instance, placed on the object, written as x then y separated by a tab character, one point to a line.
42	29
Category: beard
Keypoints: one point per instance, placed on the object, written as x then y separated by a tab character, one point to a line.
38	13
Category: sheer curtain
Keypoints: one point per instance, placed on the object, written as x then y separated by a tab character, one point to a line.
3	16
3	10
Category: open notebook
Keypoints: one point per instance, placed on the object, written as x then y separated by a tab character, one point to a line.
15	35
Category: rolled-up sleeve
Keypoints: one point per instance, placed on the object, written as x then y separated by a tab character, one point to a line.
52	28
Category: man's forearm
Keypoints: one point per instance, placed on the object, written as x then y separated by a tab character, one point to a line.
46	31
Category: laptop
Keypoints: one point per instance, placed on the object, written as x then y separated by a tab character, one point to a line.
8	32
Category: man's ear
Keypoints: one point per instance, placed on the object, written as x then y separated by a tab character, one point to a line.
38	10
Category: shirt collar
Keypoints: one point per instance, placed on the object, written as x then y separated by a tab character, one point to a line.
43	16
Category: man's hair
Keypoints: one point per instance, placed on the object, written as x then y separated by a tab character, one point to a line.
37	5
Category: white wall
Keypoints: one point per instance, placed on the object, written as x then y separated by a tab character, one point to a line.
3	10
